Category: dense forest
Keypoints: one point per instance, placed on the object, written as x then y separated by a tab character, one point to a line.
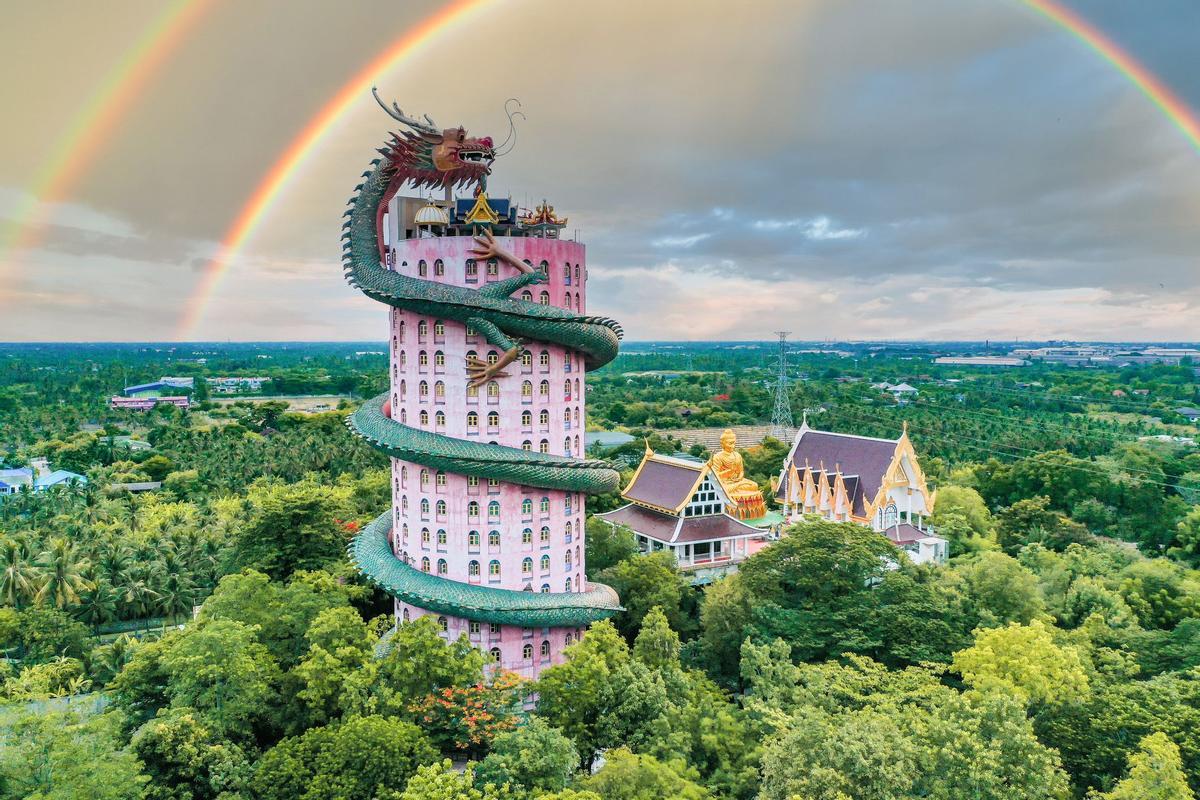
208	639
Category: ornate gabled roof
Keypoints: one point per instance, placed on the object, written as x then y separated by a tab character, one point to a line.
482	213
542	216
671	529
664	483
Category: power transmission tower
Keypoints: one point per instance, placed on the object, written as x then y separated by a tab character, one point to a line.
781	416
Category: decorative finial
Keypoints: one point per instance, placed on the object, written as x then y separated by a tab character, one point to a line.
904	428
648	452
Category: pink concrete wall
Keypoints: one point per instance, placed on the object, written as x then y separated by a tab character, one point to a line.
535	536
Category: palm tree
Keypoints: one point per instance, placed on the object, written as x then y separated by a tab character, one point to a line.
18	573
176	592
98	604
62	574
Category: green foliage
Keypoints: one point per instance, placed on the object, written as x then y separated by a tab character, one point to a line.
656	645
361	757
292	527
1024	659
46	633
187	759
644	582
418	663
532	759
338	645
1000	589
442	782
629	776
65	756
1155	773
601	697
1033	520
607	545
1160	593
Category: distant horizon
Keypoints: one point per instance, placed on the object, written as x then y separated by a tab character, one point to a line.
628	342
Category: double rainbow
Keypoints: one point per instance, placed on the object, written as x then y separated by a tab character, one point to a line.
95	123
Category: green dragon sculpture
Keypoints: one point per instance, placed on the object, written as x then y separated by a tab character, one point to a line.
429	157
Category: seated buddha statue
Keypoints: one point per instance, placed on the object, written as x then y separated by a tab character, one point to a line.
731	472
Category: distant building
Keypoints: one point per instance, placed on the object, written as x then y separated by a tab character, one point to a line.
236	385
59	477
678	504
1191	413
874	482
147	403
981	361
13	480
902	392
38	478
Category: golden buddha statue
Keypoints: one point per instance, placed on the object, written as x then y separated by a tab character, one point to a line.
731	472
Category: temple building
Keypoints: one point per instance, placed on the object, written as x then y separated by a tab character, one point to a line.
693	508
875	482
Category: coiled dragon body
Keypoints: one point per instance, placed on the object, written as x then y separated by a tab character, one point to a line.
431	157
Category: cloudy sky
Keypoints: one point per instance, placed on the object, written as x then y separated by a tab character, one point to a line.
946	169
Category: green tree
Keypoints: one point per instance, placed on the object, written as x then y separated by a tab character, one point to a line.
292	527
48	632
656	645
644	582
962	516
1000	589
361	757
441	781
1033	520
600	697
629	776
534	758
1155	773
339	644
1160	593
418	663
18	571
156	467
61	575
607	545
724	619
65	756
187	759
1024	658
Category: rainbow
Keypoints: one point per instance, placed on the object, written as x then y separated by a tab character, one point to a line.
94	123
1167	101
302	146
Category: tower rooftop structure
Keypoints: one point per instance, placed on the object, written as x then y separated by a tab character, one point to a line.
484	418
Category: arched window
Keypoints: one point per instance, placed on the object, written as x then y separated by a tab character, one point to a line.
424	506
493	389
567	585
527	651
567	274
424	418
494	510
472	420
526	419
404	477
544	358
527	507
439	328
423	389
494	568
422	328
567	559
527	566
566	445
439	268
443	567
422	359
495	651
403	359
527	445
545	588
405	615
527	296
473	569
569	530
403	505
400	335
422	269
544	417
544	389
567	389
568	637
891	516
404	533
527	389
492	357
493	538
403	389
404	416
527	536
567	504
545	534
567	419
545	562
439	420
544	446
526	358
577	273
544	298
544	506
440	509
425	564
424	535
473	539
473	509
439	392
443	623
546	647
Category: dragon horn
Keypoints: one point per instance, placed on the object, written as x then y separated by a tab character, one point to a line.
395	113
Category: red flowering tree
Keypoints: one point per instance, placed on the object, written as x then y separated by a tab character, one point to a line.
465	719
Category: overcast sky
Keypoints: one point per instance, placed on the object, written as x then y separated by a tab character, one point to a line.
948	169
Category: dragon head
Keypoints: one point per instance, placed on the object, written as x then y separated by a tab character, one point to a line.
429	156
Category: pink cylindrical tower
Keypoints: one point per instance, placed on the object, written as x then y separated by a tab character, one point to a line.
484	418
484	531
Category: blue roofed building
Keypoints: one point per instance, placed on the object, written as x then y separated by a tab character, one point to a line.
59	477
13	480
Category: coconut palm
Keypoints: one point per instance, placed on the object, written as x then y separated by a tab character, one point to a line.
18	572
173	585
98	604
62	574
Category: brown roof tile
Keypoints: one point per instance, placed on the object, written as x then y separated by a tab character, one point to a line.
644	521
663	484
